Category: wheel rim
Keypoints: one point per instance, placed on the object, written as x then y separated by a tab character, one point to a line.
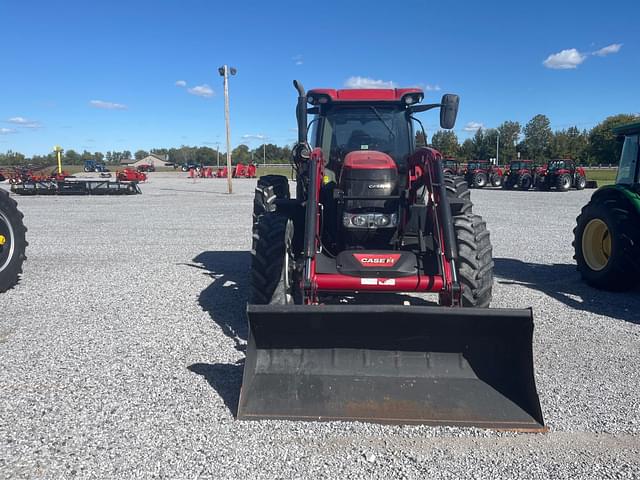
596	244
566	183
6	250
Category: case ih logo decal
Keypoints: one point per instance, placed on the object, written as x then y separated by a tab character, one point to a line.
377	260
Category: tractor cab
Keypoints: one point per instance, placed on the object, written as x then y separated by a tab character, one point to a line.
629	166
363	121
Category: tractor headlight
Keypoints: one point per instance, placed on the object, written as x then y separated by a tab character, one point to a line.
370	220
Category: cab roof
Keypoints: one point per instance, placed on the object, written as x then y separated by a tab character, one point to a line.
627	129
365	95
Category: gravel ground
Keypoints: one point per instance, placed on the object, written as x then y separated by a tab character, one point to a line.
122	347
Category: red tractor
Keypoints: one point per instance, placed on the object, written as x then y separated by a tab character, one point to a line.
331	334
131	175
451	166
562	175
481	173
521	174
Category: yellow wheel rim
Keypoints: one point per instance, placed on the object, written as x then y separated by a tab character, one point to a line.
596	244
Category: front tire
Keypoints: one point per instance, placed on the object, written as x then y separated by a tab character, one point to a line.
13	243
607	244
581	183
268	189
563	182
273	264
475	262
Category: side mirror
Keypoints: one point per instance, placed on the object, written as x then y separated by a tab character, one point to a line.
449	110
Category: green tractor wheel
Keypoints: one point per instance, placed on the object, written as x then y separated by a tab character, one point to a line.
607	244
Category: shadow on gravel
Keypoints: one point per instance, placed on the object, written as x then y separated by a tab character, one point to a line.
225	299
563	283
224	378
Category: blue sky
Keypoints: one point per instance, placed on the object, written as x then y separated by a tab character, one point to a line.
101	75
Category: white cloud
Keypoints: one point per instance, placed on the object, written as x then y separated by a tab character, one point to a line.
107	105
201	91
298	59
256	136
6	131
432	88
24	122
608	50
366	82
473	126
18	120
564	60
181	83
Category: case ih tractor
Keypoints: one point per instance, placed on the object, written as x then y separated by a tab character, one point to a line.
562	175
331	337
451	166
481	173
522	174
12	241
607	234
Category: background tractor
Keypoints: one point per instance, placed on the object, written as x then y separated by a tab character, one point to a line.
332	333
451	166
12	241
607	234
562	175
521	174
482	173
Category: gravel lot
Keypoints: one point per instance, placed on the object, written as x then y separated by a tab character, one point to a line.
121	351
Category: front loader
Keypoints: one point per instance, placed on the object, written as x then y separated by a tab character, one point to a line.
332	332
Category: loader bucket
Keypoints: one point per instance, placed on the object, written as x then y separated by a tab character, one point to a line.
391	364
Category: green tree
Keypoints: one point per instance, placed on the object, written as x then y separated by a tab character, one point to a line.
71	157
446	142
603	146
538	137
480	146
140	154
570	143
240	154
466	150
509	132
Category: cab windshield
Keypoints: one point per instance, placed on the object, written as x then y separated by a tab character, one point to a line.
628	160
345	129
556	164
518	165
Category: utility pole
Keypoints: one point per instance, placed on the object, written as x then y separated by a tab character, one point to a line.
498	147
264	153
218	154
224	71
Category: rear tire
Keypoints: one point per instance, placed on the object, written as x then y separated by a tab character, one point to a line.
581	183
607	244
496	180
479	180
524	183
457	187
268	189
272	264
563	182
12	253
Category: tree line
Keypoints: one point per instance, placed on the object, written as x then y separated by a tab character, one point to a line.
268	153
535	141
